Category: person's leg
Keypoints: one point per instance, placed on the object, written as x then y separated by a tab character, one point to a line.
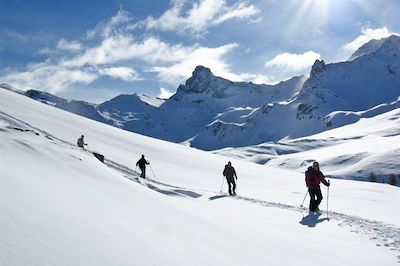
234	186
229	186
319	198
311	191
142	171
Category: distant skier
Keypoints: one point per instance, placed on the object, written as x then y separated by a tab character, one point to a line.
142	165
231	177
313	178
81	142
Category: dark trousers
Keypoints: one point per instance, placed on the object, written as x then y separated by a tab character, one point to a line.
315	198
143	174
231	184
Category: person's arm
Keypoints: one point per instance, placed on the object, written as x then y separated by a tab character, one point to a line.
308	178
234	172
323	180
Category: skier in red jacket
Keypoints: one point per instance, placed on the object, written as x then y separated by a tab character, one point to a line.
313	178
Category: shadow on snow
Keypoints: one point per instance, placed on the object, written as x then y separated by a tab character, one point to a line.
312	219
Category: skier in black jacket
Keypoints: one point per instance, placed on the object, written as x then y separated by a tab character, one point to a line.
142	165
231	177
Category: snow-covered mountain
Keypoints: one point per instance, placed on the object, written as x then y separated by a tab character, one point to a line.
369	146
210	112
204	100
368	48
355	86
82	108
124	109
61	206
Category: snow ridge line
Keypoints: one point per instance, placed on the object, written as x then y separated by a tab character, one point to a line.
17	122
384	235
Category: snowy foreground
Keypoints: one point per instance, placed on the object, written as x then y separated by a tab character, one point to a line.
61	206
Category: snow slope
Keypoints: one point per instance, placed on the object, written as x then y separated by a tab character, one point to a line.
61	206
371	145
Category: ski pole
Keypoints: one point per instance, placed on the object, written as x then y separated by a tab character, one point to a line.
236	186
301	205
222	184
136	170
151	168
327	200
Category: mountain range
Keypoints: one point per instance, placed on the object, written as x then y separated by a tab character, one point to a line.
210	112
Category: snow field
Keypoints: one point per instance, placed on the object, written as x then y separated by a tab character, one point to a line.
61	206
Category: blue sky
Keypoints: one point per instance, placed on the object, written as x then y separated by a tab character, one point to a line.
94	50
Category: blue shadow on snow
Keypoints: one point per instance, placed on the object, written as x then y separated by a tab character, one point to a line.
312	219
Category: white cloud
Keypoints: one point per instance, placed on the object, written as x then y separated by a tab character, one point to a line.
69	46
115	47
165	93
123	47
255	78
51	78
117	24
293	62
173	63
16	35
241	11
367	35
200	16
209	57
123	73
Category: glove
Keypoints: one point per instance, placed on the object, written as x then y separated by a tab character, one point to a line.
329	183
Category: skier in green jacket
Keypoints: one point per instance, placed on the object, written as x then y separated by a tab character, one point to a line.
81	142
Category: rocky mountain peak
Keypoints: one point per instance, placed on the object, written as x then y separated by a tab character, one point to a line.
201	80
202	72
317	67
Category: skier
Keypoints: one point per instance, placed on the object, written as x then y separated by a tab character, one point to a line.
313	178
81	142
230	174
142	165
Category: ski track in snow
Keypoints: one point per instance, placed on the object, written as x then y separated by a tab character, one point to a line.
384	235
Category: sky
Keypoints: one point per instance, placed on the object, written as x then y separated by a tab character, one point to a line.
95	50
